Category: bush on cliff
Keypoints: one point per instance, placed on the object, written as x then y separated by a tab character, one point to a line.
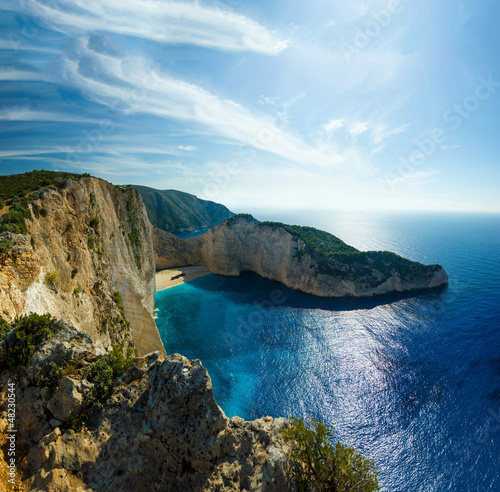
317	465
5	328
5	244
102	374
31	331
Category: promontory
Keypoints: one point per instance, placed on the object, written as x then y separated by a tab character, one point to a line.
301	258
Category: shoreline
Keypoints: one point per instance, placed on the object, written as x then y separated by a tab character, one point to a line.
165	279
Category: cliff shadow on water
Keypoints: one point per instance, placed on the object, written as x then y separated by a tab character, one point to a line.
251	288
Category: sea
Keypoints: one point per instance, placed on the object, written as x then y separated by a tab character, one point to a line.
411	381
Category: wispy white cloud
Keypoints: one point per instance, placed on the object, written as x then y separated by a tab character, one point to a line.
29	152
161	21
451	147
21	75
358	127
132	85
17	44
26	114
381	132
333	125
99	149
188	148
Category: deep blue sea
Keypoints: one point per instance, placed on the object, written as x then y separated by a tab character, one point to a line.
411	381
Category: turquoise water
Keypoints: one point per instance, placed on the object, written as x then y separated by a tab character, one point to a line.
412	381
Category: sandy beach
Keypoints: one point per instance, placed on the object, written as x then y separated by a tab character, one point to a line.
175	276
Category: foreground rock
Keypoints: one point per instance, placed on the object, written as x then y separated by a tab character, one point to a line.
241	243
161	429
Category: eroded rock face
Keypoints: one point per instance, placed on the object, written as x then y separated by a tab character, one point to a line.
243	244
68	398
95	238
160	429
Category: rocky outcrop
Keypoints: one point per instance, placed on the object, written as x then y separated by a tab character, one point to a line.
89	239
176	211
241	243
160	429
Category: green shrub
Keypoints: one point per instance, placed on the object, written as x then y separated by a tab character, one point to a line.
68	256
8	227
102	374
117	297
76	291
94	222
90	242
92	200
21	207
316	465
5	328
5	244
14	220
43	212
2	204
31	331
51	377
51	277
74	272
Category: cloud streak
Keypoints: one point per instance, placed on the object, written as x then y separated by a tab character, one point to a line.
160	21
27	114
21	75
131	85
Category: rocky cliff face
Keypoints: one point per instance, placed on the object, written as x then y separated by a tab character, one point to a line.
89	239
241	243
88	258
160	429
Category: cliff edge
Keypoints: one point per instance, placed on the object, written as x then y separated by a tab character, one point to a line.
85	255
301	258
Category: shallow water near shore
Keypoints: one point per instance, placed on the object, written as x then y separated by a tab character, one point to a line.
412	381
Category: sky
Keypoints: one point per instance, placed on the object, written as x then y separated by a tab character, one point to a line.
318	105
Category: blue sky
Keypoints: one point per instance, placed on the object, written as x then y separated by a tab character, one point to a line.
327	105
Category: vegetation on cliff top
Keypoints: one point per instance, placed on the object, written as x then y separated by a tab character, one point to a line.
321	242
317	465
173	211
16	186
16	189
334	257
